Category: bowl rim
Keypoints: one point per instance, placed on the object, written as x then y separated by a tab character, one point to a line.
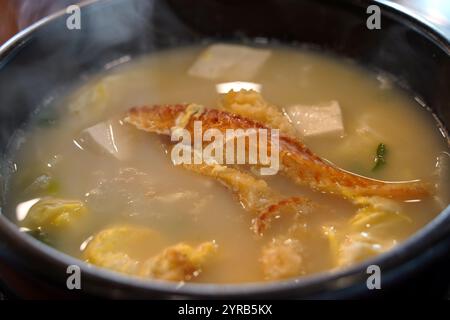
434	231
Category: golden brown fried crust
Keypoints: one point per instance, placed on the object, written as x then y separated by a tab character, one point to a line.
263	220
181	262
296	161
250	104
282	258
255	195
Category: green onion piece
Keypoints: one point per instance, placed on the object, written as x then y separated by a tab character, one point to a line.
380	159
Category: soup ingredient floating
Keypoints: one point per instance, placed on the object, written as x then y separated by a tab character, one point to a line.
317	120
148	218
105	137
282	258
369	231
380	159
250	104
297	162
229	62
53	213
113	247
254	194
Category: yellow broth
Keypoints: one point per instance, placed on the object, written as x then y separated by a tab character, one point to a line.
185	207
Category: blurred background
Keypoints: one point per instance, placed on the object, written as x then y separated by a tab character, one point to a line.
16	15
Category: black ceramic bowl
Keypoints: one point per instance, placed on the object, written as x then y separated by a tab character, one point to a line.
45	60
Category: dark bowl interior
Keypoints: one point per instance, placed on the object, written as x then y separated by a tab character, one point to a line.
44	62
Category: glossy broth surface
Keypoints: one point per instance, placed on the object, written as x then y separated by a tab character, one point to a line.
145	188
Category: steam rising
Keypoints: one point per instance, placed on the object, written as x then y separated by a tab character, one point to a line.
30	11
56	59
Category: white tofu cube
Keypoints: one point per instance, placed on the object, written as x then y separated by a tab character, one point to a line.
233	62
105	137
318	119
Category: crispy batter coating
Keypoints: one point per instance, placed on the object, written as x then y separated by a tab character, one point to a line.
282	258
295	204
250	104
296	161
180	262
114	248
254	194
52	213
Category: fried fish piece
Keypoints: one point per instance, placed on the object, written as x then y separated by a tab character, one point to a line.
180	262
298	205
250	104
296	161
254	194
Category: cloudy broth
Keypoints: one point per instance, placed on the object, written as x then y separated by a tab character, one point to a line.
144	188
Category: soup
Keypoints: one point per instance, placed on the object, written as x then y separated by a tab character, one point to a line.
96	179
